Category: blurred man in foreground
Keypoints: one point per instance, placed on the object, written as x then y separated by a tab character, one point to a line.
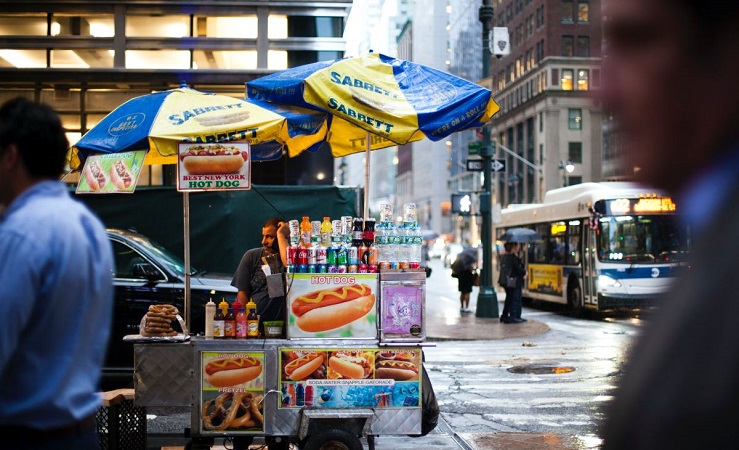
56	299
670	78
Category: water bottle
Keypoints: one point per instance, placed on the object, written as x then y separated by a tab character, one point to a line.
404	247
415	244
381	244
392	248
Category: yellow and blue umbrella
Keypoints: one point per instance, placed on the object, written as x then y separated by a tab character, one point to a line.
396	101
161	120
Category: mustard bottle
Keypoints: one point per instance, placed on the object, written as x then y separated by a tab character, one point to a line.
252	321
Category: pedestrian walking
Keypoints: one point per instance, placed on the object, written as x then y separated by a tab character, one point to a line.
463	269
56	268
512	275
672	88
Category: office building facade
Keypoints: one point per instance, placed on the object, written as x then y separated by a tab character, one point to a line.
86	58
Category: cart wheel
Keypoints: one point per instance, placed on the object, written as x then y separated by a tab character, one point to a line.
333	439
277	443
242	442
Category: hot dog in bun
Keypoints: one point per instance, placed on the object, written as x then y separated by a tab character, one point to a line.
95	176
120	174
396	370
216	159
352	365
224	372
301	367
332	308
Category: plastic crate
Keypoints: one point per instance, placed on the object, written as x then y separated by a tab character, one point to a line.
120	424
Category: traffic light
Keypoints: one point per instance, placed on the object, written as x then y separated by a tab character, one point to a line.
461	204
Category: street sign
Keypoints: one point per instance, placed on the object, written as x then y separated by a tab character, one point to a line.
498	165
461	204
474	165
473	148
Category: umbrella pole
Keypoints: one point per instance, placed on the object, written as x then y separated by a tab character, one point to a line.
367	175
186	214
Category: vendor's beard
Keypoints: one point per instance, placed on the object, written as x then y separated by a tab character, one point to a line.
273	249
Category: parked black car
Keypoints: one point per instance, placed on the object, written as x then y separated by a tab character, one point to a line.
145	274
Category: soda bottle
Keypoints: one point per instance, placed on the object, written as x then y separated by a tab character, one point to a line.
218	320
357	233
299	395
229	325
240	320
368	235
305	229
326	229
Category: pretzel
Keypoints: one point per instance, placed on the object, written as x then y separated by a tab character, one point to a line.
242	411
163	311
158	333
158	320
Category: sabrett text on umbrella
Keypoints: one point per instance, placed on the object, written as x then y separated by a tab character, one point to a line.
349	112
374	139
184	116
238	135
346	80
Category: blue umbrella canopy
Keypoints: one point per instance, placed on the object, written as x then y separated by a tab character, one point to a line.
396	101
159	121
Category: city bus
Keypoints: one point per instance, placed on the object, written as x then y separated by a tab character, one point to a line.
603	245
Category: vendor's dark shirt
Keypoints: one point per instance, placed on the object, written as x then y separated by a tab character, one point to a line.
250	278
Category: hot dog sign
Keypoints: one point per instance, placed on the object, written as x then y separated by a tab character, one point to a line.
111	173
341	378
331	306
213	166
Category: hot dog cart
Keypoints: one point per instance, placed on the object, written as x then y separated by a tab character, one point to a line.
360	379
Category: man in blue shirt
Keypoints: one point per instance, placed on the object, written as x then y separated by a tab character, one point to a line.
671	80
56	295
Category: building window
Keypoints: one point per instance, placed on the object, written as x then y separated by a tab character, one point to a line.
583	46
567	79
173	26
237	27
596	78
541	127
582	80
568	46
555	77
583	12
575	152
574	119
573	180
568	11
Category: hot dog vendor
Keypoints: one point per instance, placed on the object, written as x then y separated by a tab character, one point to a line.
251	280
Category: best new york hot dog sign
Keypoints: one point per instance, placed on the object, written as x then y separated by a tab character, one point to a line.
213	167
331	306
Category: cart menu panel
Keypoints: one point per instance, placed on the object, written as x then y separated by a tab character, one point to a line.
350	378
231	392
332	305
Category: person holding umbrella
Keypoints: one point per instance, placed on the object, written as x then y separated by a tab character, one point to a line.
463	270
512	274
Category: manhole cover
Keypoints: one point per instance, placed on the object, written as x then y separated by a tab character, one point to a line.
540	370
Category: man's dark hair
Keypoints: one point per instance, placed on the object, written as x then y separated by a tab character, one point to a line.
37	133
273	222
508	246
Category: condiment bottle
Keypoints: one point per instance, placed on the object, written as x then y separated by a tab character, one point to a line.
210	312
240	320
219	320
252	321
229	325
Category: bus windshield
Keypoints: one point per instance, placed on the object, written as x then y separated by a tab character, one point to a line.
642	239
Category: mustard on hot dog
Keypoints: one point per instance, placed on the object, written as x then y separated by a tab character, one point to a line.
332	308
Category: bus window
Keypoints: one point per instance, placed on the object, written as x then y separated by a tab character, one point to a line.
573	242
537	250
556	243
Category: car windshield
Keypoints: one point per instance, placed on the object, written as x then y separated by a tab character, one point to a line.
643	239
172	261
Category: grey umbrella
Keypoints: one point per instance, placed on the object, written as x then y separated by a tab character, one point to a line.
521	235
465	258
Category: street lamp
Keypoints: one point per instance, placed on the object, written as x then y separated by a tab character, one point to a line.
342	172
566	168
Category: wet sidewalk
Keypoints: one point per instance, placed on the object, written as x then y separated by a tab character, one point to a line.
452	325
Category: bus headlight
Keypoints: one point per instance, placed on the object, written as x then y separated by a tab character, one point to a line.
605	282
